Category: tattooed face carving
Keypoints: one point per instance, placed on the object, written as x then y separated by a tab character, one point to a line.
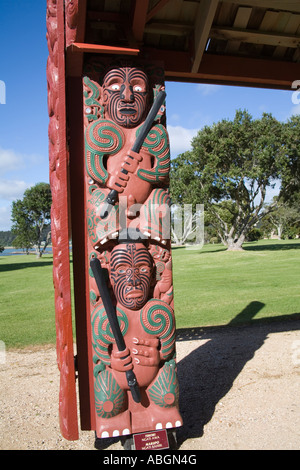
125	95
130	272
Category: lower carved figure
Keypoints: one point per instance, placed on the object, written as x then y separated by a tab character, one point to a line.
148	328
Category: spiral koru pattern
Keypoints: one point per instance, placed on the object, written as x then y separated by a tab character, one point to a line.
102	137
101	331
157	318
157	144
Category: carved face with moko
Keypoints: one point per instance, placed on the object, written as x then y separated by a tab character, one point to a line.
125	96
131	269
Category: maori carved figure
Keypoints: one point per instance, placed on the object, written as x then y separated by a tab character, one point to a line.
132	243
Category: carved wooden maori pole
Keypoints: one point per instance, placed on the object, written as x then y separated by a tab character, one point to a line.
58	166
130	359
132	243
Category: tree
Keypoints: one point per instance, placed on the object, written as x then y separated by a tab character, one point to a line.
290	172
283	220
30	217
22	226
229	169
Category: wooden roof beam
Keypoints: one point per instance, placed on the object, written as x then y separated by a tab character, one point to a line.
173	29
160	4
255	37
282	5
139	19
227	70
204	20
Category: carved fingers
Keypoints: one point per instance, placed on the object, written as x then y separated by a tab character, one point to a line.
117	181
146	352
132	161
121	360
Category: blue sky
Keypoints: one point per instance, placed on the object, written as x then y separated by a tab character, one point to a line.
23	103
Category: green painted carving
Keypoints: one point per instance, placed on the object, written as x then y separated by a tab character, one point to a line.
93	297
102	137
97	227
157	144
157	318
102	334
93	107
153	210
109	397
165	390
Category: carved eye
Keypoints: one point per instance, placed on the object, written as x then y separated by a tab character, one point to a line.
115	87
121	271
144	270
137	88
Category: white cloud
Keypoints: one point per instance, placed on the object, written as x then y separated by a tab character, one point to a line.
10	160
206	89
180	139
13	189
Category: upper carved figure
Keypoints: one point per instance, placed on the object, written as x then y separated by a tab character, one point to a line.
115	111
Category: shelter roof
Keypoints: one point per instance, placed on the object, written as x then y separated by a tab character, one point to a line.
237	42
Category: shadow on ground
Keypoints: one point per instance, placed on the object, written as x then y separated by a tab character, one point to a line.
17	266
273	247
207	374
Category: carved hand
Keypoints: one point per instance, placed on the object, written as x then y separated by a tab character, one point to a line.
132	161
117	181
146	352
121	360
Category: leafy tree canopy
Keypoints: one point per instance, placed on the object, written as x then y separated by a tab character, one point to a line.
31	216
231	166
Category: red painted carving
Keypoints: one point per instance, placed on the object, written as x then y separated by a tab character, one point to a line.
59	218
132	242
71	15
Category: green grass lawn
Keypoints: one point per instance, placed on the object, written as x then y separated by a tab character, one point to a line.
26	300
212	287
216	287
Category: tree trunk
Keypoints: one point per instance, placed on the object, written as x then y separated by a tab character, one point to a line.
235	244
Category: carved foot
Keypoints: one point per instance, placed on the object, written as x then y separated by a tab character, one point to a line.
155	418
113	427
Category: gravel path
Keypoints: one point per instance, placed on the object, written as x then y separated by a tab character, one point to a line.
239	390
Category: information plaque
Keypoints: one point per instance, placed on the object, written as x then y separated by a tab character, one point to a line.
154	440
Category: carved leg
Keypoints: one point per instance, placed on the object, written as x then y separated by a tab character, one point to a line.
110	402
162	412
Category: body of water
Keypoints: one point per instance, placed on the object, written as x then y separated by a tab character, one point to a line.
15	251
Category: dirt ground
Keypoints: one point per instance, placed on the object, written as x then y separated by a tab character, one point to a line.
239	389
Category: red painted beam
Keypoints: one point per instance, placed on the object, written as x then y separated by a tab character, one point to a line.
101	49
229	70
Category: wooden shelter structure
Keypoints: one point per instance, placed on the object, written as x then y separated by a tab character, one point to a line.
248	42
232	42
